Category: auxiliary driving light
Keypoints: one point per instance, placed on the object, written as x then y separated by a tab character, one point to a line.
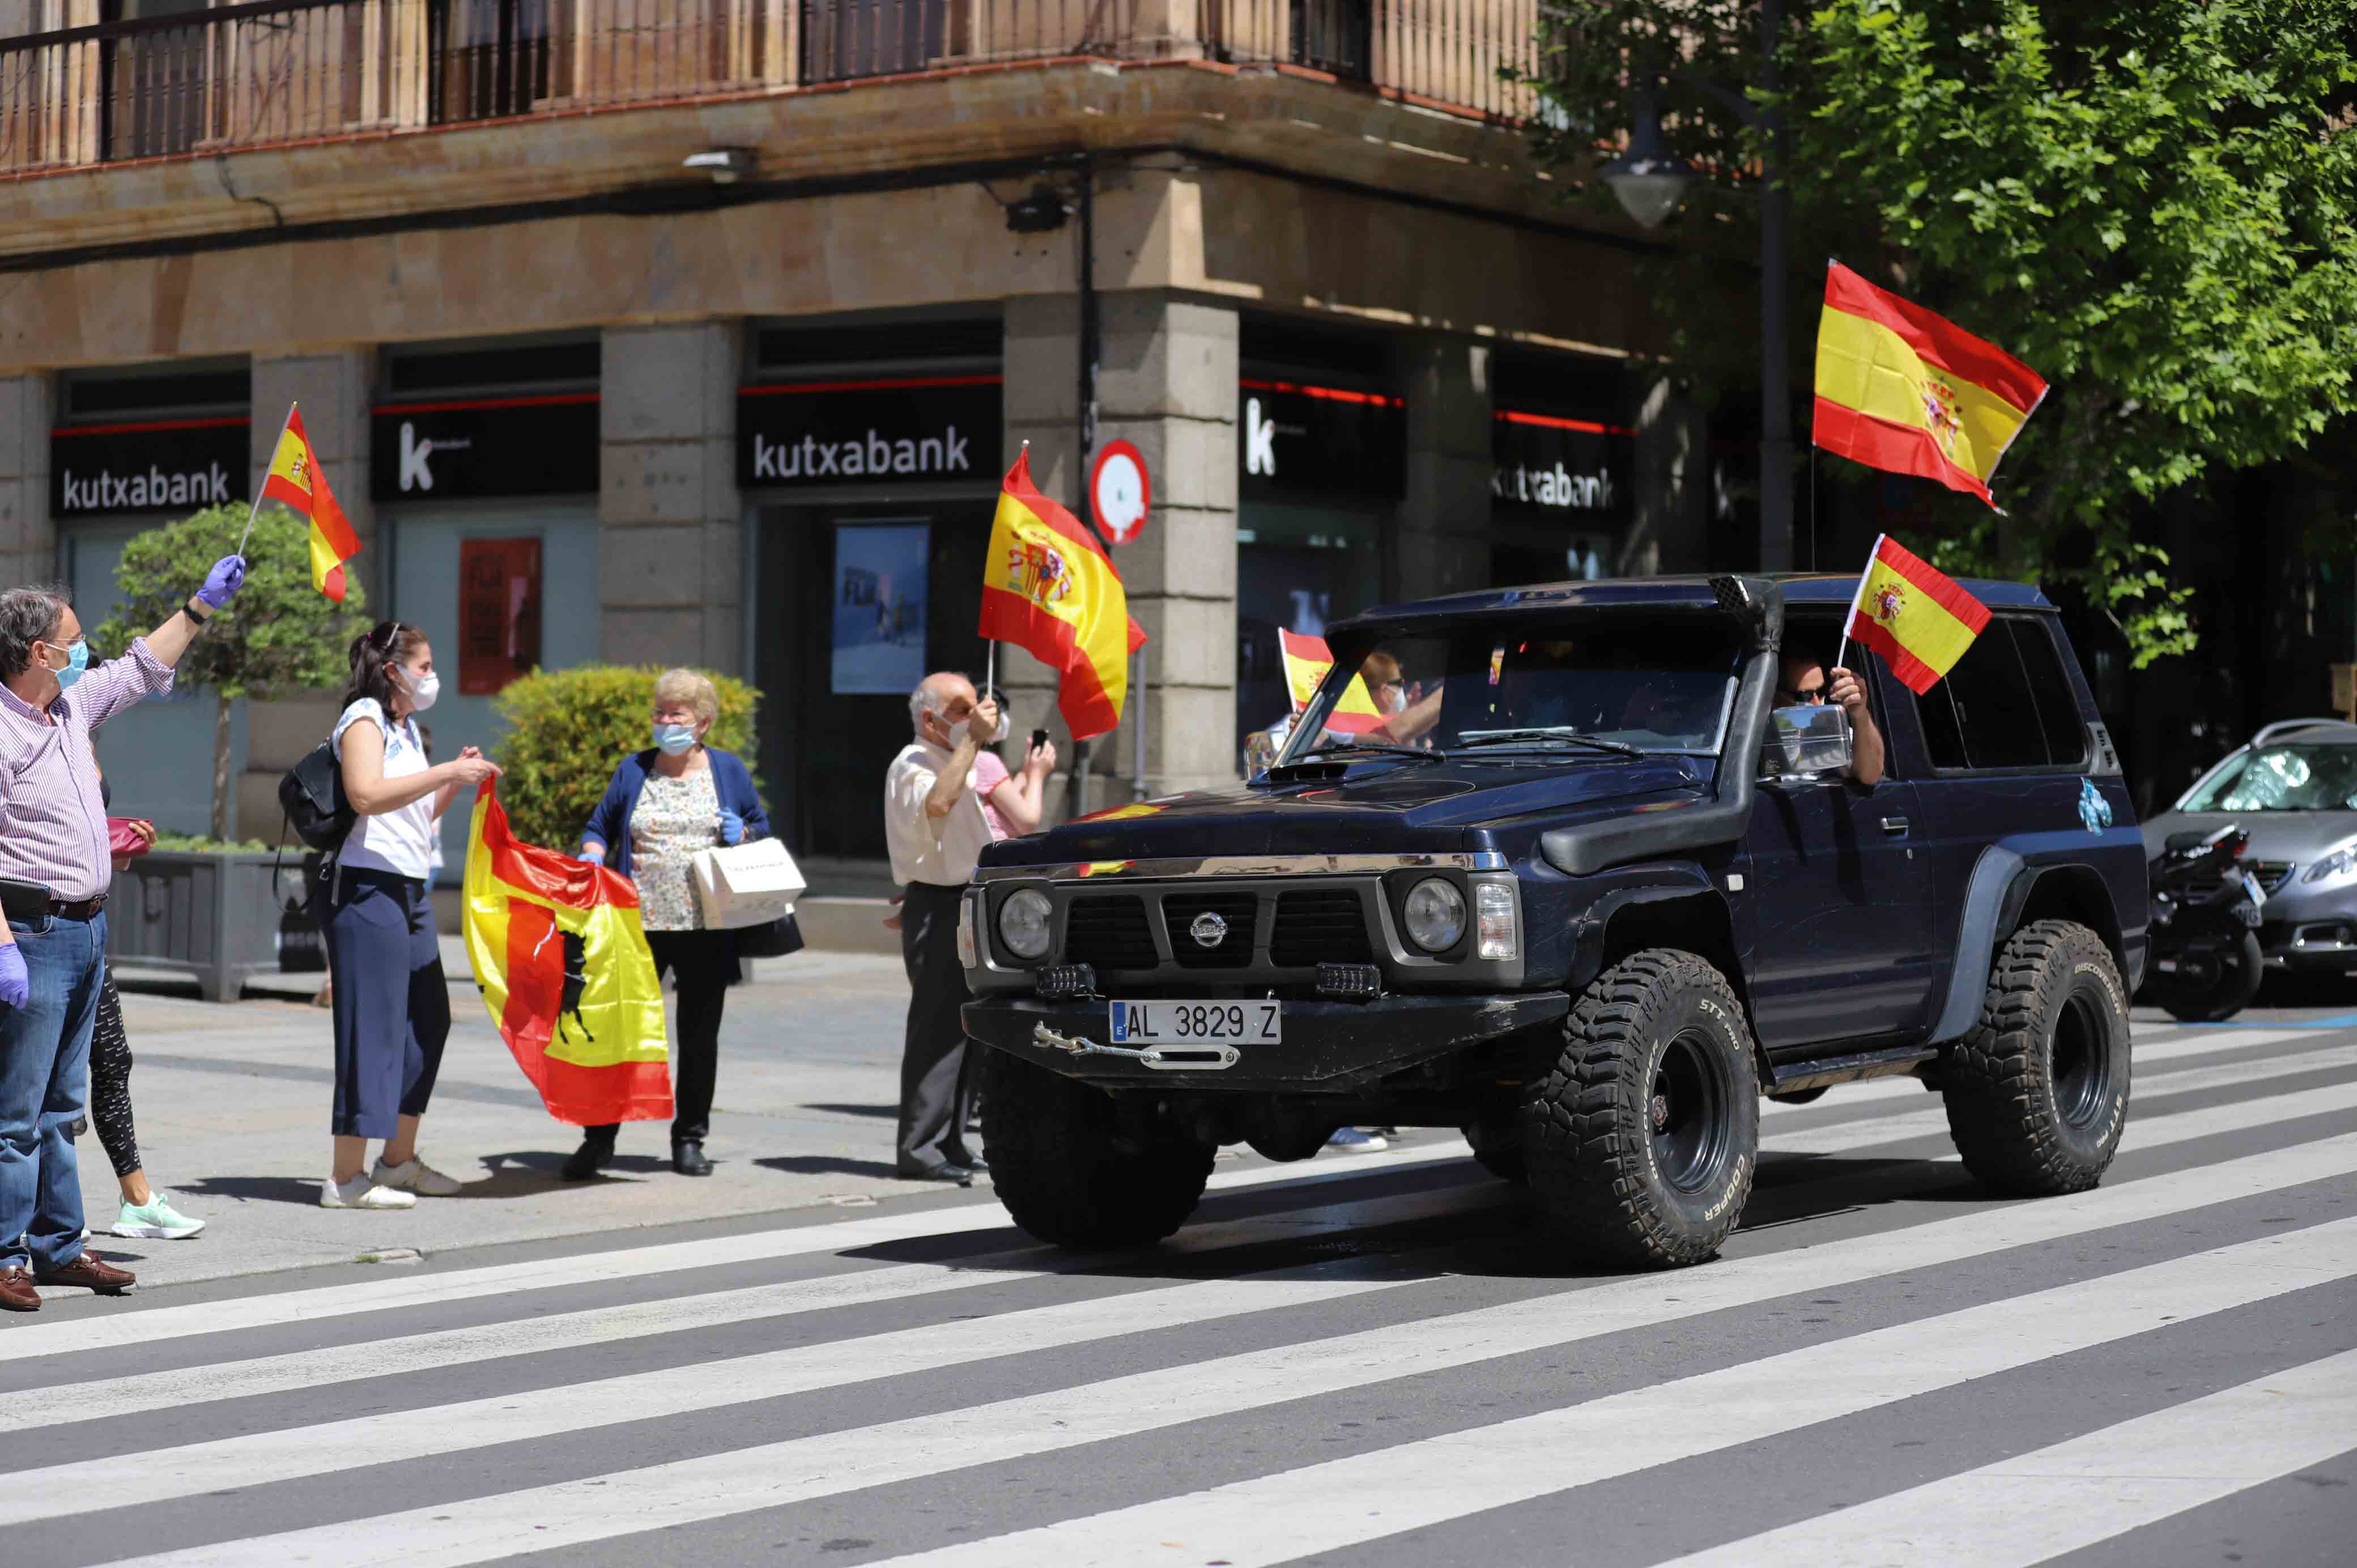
1349	981
1063	982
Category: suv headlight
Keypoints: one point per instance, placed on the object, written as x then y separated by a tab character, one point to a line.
1493	918
1435	913
1023	922
2332	865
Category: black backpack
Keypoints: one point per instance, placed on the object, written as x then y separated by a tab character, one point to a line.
312	794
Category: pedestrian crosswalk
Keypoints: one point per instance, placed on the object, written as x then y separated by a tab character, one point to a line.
1379	1352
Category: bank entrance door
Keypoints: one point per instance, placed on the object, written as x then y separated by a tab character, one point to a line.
857	605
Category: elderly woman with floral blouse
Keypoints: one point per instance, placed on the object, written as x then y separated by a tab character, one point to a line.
665	803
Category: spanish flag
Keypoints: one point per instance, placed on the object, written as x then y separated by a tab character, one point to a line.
1917	617
297	479
1049	588
1901	388
1307	661
562	962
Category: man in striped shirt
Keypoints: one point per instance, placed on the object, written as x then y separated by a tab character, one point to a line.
55	862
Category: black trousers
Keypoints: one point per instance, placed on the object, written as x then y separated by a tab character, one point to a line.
110	1082
705	965
932	1053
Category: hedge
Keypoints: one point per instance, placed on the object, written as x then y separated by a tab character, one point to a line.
568	729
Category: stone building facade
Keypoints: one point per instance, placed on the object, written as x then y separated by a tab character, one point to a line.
716	356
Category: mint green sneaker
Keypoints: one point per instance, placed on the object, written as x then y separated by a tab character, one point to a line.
155	1219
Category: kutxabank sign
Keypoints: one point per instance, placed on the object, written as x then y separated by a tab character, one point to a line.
167	466
1549	465
909	430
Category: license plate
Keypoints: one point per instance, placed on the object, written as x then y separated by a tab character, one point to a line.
1196	1022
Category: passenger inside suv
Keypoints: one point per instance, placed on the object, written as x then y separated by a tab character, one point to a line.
1805	682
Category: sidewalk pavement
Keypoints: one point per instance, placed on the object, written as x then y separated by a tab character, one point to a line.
232	1101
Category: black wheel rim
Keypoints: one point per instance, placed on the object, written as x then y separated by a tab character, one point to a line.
2080	1056
1687	1113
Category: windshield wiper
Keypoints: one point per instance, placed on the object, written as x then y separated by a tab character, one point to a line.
1570	736
1369	749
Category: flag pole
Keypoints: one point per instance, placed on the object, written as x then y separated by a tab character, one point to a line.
1841	659
256	507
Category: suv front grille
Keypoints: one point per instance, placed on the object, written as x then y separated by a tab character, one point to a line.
1234	911
1110	932
1325	925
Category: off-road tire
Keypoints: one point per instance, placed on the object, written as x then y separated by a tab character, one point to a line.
1664	1023
2038	1093
1068	1171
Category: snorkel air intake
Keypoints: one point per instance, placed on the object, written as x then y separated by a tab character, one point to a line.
1756	605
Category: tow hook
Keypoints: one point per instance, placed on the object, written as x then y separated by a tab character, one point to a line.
1182	1058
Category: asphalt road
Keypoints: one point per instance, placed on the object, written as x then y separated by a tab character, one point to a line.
1376	1360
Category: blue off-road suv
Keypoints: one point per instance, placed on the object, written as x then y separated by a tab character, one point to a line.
1586	892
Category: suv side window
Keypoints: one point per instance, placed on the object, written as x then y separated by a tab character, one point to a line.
2006	703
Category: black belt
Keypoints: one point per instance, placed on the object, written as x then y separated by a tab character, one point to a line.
78	909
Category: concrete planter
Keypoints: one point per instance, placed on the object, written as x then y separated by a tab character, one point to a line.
211	916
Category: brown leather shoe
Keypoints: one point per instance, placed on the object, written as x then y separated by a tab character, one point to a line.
16	1292
88	1272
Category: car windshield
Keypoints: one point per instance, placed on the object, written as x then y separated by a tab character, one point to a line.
2283	779
1537	688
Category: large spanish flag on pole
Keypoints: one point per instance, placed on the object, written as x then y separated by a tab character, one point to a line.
1903	389
1049	588
1917	617
563	963
1307	661
296	479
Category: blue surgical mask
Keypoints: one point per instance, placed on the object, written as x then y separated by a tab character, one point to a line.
77	660
673	740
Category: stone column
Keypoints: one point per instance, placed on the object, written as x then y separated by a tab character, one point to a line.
28	545
671	548
334	390
1670	529
1167	383
1442	542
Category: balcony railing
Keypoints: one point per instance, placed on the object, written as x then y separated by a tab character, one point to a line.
86	85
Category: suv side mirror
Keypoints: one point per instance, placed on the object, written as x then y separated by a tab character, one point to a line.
1811	738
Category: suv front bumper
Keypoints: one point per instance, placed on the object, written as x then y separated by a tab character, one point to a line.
1328	1047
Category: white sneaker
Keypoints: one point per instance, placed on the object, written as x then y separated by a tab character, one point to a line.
416	1176
361	1192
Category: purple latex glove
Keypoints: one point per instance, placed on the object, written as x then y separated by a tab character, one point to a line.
227	577
16	985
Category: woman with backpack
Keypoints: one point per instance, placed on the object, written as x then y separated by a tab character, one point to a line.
391	1003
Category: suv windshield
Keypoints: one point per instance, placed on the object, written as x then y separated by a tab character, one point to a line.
1663	684
2283	779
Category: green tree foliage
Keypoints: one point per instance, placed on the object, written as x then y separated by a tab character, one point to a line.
2154	205
568	729
277	635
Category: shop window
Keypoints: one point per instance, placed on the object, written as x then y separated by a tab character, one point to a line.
533	363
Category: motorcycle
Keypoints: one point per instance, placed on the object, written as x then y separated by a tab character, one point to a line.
2206	964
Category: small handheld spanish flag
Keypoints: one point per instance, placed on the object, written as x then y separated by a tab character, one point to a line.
1307	661
1049	588
1901	388
1917	617
296	479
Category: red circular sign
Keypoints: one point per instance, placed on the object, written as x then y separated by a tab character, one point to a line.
1119	491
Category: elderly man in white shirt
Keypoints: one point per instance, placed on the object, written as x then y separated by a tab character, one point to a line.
935	827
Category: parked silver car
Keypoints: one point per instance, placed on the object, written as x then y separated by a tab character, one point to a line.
2293	788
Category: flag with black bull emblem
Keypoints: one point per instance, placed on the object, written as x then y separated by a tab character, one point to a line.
563	964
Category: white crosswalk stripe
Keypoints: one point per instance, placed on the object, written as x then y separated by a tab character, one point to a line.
381	1435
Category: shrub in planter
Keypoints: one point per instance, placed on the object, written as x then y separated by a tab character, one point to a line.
278	634
567	729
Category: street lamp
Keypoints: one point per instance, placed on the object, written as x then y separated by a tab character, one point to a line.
1650	181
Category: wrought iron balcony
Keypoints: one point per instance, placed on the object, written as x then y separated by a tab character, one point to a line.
95	81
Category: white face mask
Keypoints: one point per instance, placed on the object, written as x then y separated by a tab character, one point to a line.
959	731
422	690
1006	728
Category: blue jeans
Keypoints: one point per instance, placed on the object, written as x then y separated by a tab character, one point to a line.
44	1078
